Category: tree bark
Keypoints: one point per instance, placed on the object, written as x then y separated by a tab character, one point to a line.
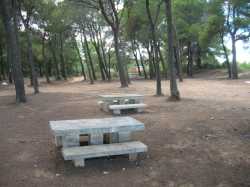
190	60
155	50
80	58
31	62
63	68
178	64
45	61
9	11
198	56
123	79
136	58
56	65
175	95
226	55
2	66
163	63
150	62
142	64
89	55
234	61
114	23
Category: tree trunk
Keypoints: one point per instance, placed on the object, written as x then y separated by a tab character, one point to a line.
155	50
100	62
109	63
151	66
63	68
136	59
234	61
103	55
31	62
2	66
45	61
10	21
226	56
177	63
80	58
121	70
165	71
88	55
175	95
142	64
198	56
190	60
53	51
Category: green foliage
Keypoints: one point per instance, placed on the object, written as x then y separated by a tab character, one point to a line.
244	66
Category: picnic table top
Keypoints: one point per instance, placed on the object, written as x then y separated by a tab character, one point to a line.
120	96
91	126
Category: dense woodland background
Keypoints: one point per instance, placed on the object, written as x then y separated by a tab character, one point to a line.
111	39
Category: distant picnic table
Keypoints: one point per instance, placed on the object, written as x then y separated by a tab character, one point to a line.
118	102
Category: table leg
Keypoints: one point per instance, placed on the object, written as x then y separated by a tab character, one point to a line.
114	138
117	112
140	110
96	139
141	100
105	107
124	136
58	141
71	140
133	156
79	163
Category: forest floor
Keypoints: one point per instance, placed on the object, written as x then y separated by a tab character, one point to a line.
201	141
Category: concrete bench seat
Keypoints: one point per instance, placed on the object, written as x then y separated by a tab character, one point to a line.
117	108
79	154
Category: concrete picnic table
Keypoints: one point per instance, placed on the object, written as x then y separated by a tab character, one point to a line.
67	132
119	99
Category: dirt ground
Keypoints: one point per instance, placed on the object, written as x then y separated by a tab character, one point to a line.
201	141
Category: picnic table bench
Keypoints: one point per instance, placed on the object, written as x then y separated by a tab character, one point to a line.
118	102
67	134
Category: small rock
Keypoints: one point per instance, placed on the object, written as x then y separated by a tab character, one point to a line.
212	118
35	165
58	175
4	84
123	169
105	172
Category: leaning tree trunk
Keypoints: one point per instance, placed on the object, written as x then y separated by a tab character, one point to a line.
31	62
165	71
136	59
226	56
80	58
142	63
175	95
87	59
88	55
10	21
155	49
